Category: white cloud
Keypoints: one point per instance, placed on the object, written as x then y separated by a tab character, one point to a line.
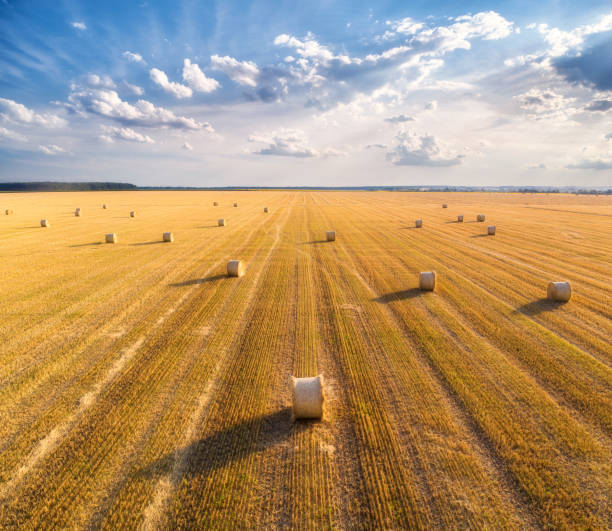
95	81
413	149
562	41
18	113
178	90
196	79
242	72
51	149
12	135
134	89
284	142
400	118
133	57
107	103
79	25
187	146
547	104
124	133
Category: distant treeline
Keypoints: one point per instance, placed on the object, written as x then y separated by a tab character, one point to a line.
50	186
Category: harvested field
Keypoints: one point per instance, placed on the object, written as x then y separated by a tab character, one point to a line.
140	386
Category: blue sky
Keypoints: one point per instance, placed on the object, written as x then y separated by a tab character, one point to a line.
317	93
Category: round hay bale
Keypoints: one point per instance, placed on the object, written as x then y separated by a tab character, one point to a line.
168	237
418	223
77	212
266	210
221	222
307	397
45	223
236	268
444	205
480	217
235	204
559	291
460	218
111	238
8	212
427	280
215	203
491	230
104	206
133	214
331	235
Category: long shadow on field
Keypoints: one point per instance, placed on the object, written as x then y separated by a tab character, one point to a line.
479	235
147	243
316	241
86	244
207	226
223	447
399	295
539	306
195	281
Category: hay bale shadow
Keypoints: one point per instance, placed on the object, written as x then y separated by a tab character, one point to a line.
315	241
399	295
539	306
85	244
146	243
195	281
479	235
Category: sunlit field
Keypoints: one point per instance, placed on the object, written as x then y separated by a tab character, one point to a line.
142	386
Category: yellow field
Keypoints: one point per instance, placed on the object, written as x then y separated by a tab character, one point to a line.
142	387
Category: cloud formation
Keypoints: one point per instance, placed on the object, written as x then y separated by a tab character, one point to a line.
18	113
196	79
133	57
51	149
290	143
400	118
12	135
112	133
176	89
79	25
413	149
242	72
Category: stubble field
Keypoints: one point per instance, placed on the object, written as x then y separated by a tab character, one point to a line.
142	387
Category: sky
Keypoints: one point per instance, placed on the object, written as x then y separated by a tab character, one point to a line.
319	93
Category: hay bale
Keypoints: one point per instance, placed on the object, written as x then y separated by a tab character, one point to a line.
104	206
418	223
307	397
460	218
427	280
215	203
8	212
111	238
45	223
235	204
480	217
266	210
331	235
236	268
491	230
444	205
559	291
77	212
221	222
168	237
133	214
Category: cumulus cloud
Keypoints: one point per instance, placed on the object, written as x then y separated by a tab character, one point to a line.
12	135
242	72
18	113
603	105
541	104
51	149
178	90
107	103
592	164
94	80
290	143
112	133
592	67
79	25
196	79
561	41
187	146
134	89
400	118
133	57
413	149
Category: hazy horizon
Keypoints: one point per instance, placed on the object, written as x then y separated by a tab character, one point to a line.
343	94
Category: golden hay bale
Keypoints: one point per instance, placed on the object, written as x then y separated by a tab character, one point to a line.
104	205
480	217
168	237
235	204
418	223
8	212
221	222
491	230
444	205
307	397
111	238
559	291
266	209
460	218
427	280
77	212
133	214
45	223
331	235
215	203
236	268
